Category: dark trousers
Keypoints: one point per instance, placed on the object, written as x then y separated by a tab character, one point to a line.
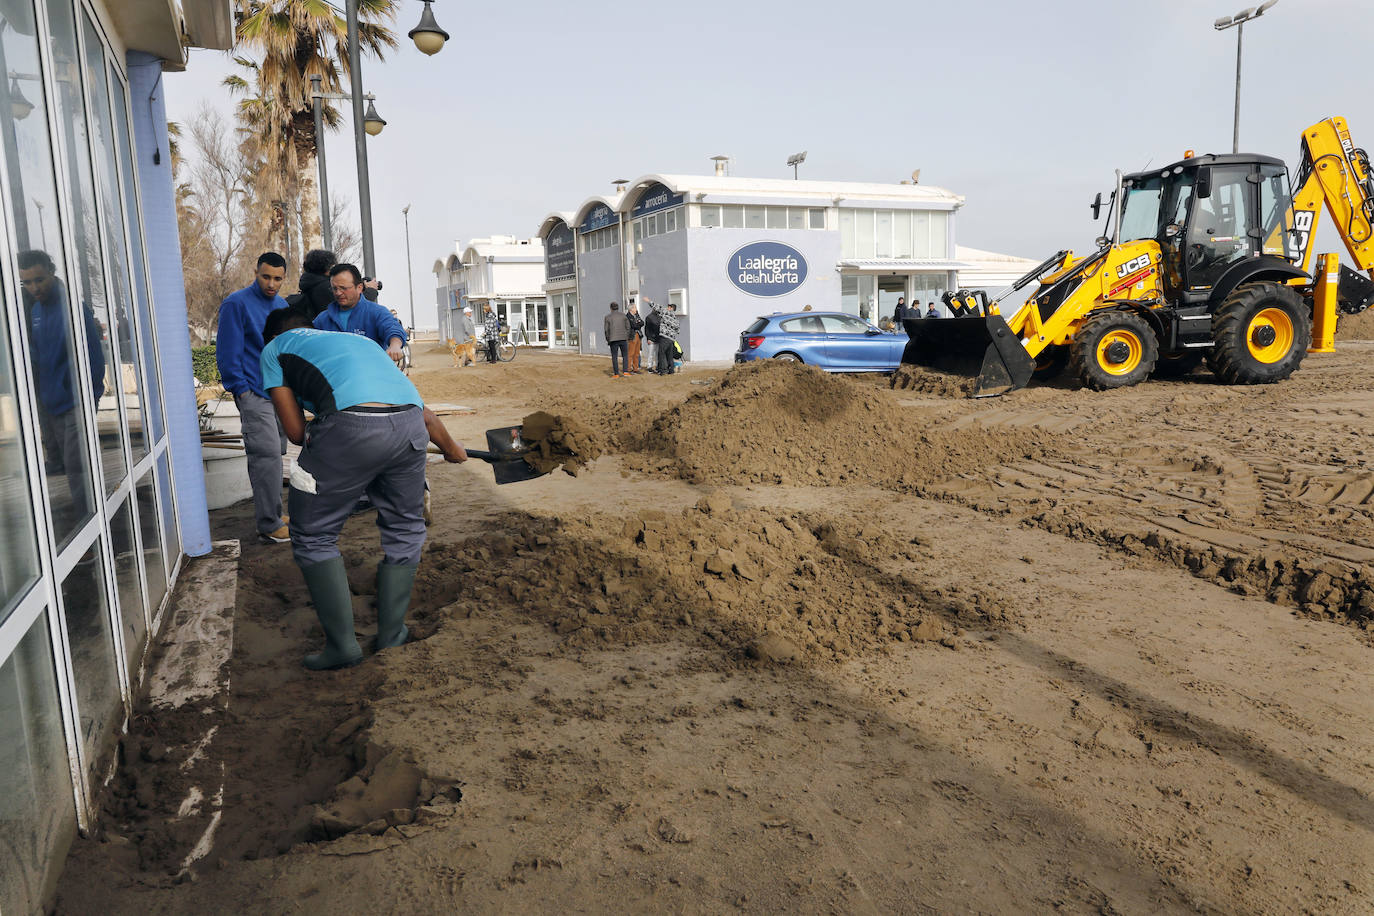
665	356
347	455
619	349
491	349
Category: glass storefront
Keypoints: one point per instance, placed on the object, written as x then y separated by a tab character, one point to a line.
88	538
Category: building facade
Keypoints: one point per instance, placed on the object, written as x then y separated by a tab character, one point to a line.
727	249
101	488
508	274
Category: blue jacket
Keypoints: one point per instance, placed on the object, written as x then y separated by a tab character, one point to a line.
53	360
238	342
366	318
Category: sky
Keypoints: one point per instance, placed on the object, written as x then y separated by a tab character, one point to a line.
1024	108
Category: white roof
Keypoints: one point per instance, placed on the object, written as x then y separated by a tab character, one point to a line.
851	193
507	248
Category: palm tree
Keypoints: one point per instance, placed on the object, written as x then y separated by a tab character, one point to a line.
295	40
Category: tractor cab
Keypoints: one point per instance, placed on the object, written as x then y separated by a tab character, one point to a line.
1216	218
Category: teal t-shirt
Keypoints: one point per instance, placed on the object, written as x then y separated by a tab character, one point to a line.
330	371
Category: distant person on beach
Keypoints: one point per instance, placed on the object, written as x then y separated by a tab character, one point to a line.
636	340
617	335
465	353
491	328
930	310
668	329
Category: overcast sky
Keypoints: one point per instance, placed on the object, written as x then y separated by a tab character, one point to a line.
1023	108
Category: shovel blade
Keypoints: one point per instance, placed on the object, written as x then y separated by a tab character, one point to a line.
980	347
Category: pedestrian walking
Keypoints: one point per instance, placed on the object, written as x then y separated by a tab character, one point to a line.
465	353
352	313
668	328
238	348
617	334
368	437
636	340
48	313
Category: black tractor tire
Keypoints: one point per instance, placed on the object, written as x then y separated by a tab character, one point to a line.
1178	364
1260	334
1112	350
1050	363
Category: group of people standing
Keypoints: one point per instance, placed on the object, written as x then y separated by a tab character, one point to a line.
627	332
368	435
465	352
913	310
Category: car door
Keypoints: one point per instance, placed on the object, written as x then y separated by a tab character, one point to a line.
852	344
804	336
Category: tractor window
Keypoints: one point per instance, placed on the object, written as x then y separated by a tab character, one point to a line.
1275	211
1217	228
1140	210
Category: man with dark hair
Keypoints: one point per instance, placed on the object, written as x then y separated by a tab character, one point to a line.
352	313
238	348
315	294
48	313
617	333
368	436
930	310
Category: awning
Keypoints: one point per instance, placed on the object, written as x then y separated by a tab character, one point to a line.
901	265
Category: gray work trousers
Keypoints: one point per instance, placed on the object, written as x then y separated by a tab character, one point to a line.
348	454
265	442
64	444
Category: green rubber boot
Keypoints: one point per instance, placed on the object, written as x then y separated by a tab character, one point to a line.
394	582
328	586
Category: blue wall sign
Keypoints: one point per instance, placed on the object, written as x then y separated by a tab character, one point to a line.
558	253
600	217
767	269
656	197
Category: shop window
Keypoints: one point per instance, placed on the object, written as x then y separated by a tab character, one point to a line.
863	234
710	216
678	297
882	234
777	217
18	533
848	245
85	613
796	218
154	564
816	217
172	544
36	800
59	322
939	242
754	218
732	216
127	584
639	230
670	220
920	233
901	234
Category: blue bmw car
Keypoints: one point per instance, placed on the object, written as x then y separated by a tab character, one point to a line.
833	341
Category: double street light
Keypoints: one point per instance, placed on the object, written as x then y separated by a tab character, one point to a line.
429	39
1238	22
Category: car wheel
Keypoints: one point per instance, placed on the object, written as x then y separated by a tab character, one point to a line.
788	358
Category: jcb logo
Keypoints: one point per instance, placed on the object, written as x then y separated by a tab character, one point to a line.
1302	225
1134	264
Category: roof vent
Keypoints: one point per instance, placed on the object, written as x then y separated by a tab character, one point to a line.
722	165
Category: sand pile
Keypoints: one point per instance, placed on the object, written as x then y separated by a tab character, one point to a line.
927	381
558	441
1355	327
784	423
764	585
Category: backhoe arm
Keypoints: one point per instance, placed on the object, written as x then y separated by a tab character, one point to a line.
1335	172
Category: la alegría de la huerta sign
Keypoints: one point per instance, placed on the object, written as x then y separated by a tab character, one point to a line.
767	269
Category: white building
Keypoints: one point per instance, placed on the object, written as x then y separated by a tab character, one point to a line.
508	274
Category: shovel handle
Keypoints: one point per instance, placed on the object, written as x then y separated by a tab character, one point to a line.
478	453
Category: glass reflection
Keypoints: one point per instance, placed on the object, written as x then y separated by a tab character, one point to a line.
86	615
170	541
153	567
48	311
127	584
128	387
35	784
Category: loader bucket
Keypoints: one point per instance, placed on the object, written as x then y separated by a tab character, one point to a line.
980	347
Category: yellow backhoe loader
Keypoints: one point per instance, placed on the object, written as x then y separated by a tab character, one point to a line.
1208	258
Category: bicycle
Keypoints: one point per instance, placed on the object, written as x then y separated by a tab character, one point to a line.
505	350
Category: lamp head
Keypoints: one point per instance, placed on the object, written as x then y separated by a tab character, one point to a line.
428	37
372	122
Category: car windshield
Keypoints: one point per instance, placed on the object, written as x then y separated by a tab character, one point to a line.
1140	209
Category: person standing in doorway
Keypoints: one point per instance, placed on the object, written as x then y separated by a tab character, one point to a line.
668	328
617	334
899	312
352	313
636	338
238	349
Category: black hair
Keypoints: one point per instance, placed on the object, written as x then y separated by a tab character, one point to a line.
271	259
36	257
280	321
346	269
318	260
614	307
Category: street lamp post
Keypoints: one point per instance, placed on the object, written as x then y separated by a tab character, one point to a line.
410	279
428	38
1238	21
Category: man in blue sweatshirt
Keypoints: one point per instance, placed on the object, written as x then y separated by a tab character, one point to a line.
238	353
353	313
55	377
